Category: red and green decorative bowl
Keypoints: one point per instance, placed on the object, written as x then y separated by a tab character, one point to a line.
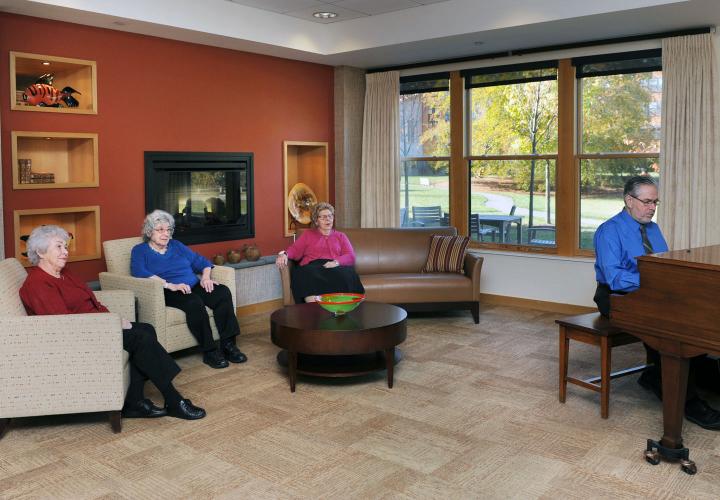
340	303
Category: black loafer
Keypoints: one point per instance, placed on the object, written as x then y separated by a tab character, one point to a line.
699	412
233	354
215	359
186	410
142	409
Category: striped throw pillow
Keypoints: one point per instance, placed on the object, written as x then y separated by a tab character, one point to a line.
447	254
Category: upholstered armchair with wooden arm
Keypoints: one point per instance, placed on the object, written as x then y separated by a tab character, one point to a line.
169	322
66	363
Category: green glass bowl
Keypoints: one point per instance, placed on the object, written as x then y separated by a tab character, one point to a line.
340	303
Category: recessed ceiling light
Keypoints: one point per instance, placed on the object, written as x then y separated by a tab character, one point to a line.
46	63
324	15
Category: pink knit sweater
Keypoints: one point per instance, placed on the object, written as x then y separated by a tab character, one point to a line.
313	245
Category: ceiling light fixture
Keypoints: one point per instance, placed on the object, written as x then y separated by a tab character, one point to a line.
324	15
45	63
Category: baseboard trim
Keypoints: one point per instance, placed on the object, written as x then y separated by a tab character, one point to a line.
260	307
540	305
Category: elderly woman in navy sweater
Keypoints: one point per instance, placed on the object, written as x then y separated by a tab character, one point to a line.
162	258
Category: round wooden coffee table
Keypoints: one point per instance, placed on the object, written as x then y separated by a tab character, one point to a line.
320	344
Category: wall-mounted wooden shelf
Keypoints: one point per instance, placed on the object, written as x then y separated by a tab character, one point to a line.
305	162
78	74
83	223
50	160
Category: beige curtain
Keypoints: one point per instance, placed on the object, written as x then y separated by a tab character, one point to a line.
690	146
380	179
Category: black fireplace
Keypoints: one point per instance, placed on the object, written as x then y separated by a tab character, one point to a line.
209	194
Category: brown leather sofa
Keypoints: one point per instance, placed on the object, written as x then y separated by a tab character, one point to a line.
390	262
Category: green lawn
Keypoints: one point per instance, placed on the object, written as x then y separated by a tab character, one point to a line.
433	191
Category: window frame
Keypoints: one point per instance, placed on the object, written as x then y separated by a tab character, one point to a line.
430	77
568	158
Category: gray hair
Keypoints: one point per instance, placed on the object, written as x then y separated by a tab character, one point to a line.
40	239
319	207
633	184
153	219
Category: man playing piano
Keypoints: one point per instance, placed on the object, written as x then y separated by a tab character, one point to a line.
618	243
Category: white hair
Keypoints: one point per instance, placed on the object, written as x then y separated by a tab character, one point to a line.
40	239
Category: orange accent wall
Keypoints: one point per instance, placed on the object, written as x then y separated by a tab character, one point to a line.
163	95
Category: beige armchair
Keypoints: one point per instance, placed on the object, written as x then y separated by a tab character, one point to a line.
169	322
67	363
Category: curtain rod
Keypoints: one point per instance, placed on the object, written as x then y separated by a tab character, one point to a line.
548	48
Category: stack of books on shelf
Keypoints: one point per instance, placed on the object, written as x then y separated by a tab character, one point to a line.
25	170
27	176
42	178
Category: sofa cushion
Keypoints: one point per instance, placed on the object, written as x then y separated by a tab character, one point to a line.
446	255
409	288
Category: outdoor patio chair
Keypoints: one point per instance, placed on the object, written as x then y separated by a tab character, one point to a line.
547	232
428	216
480	230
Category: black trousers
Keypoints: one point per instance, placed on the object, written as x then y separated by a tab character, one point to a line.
148	359
193	305
314	279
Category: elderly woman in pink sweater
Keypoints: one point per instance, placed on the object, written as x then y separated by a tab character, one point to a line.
326	259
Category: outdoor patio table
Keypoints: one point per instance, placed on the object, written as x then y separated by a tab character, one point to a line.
502	222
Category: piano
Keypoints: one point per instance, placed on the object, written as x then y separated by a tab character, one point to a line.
675	312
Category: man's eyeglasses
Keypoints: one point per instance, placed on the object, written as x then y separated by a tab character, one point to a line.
647	203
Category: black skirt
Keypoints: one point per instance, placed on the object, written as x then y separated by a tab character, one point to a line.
314	279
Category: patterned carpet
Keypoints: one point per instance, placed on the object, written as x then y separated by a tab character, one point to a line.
473	414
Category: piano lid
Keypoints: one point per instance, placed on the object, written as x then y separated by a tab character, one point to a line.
699	258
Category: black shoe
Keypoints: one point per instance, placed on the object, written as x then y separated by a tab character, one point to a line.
699	412
232	353
142	409
186	410
650	379
215	359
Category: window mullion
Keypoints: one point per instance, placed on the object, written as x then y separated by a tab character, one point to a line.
567	203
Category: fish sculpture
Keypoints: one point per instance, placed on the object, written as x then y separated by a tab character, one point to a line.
42	93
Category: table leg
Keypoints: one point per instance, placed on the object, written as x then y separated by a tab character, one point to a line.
292	369
503	229
390	363
519	232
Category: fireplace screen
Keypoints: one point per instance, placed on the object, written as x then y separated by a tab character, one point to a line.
209	194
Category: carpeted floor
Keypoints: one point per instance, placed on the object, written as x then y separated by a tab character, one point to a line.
473	414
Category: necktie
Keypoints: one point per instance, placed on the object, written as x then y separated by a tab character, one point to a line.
646	242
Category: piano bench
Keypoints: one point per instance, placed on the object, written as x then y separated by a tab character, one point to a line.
593	329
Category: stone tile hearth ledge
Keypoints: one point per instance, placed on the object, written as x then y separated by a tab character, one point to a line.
262	261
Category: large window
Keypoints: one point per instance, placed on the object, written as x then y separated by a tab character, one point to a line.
618	130
425	150
512	124
540	153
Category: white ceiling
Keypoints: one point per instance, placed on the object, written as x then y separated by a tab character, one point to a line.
344	10
432	31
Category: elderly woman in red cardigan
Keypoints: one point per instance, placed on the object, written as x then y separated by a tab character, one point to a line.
326	259
52	289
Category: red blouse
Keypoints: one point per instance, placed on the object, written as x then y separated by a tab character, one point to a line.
43	293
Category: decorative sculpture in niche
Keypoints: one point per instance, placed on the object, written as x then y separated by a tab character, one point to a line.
301	201
42	93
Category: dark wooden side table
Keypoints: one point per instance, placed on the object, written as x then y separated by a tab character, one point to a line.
320	344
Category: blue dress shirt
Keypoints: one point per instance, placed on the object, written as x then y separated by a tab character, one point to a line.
618	243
